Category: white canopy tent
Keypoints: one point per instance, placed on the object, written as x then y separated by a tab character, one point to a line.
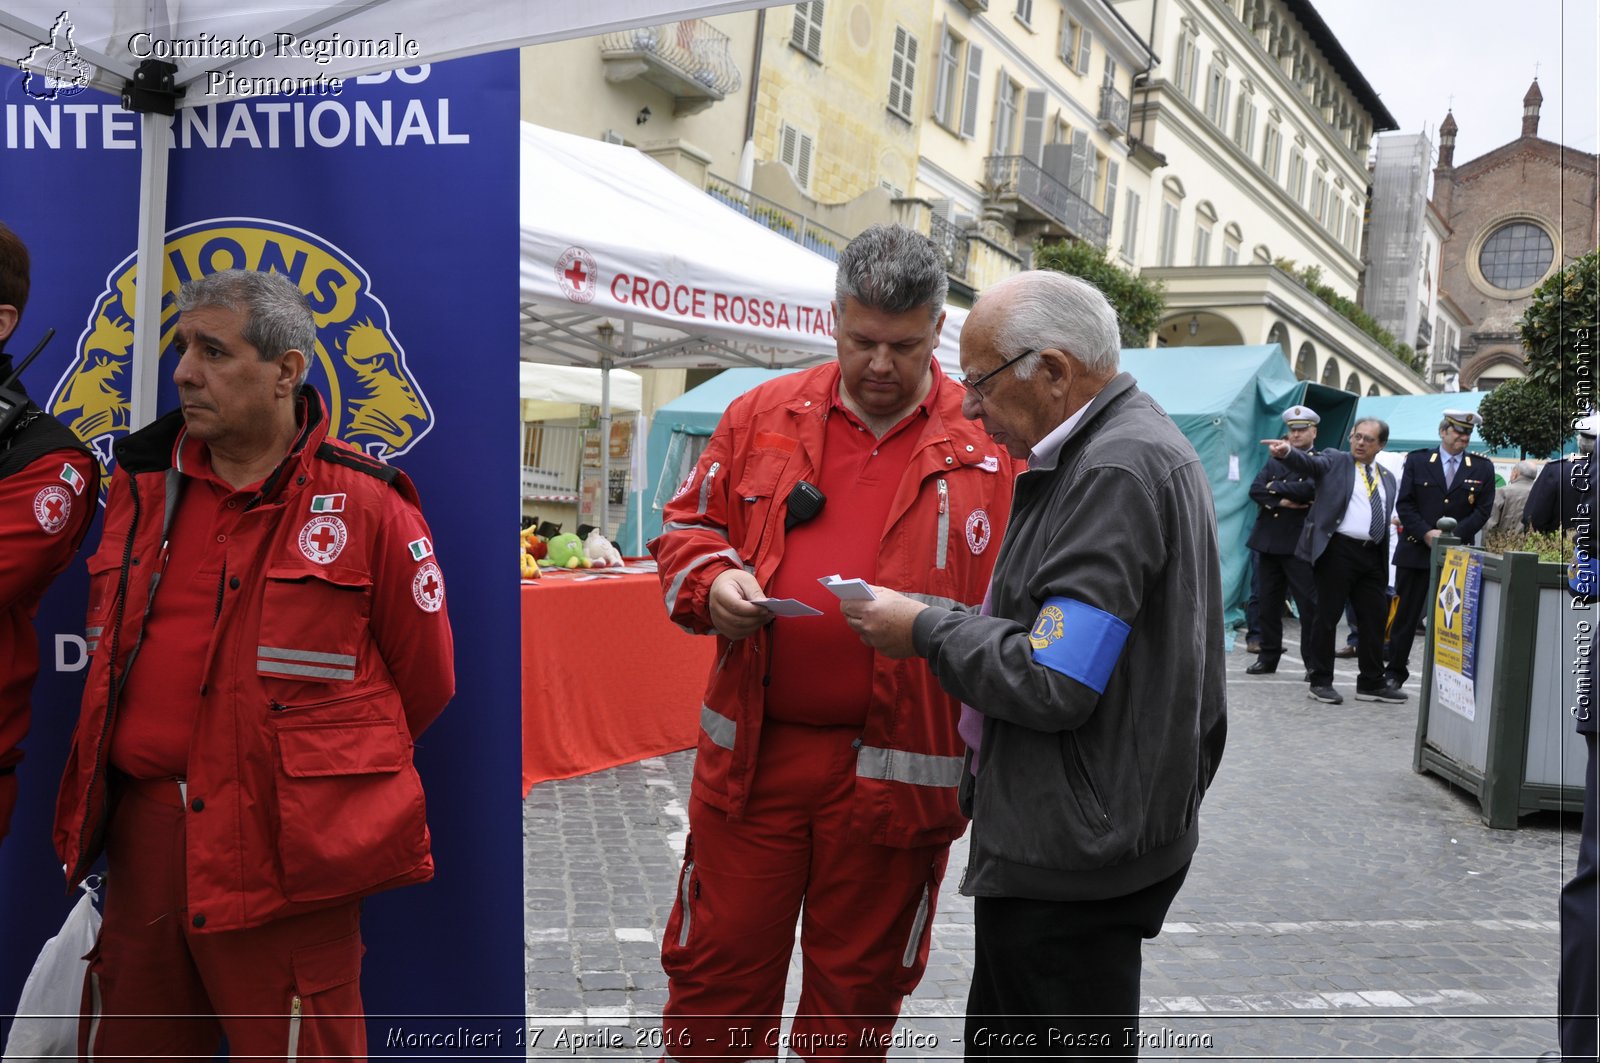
550	392
624	263
102	44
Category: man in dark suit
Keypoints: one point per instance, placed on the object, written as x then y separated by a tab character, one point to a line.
1285	498
1556	500
1442	481
1346	542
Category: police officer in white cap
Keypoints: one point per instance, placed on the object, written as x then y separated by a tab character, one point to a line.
1283	498
1442	481
1556	501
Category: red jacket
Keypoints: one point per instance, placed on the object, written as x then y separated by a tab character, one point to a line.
943	533
49	489
322	665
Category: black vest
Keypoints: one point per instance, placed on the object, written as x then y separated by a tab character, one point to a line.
39	436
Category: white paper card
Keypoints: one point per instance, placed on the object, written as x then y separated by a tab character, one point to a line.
786	606
848	590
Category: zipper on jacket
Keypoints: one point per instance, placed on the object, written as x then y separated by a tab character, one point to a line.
111	691
94	1014
914	940
942	550
684	898
295	1010
705	487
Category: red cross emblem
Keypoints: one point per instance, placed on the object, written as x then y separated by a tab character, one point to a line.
52	506
978	531
323	538
575	273
427	587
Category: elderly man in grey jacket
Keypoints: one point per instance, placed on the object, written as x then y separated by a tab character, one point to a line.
1092	677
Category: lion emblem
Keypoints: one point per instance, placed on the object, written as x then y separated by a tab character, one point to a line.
374	401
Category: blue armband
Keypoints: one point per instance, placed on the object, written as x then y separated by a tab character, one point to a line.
1078	640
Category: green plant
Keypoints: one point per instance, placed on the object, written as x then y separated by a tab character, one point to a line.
1139	303
1523	414
1558	331
1311	277
1550	546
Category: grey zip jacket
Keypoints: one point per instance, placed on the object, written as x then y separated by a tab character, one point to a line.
1092	766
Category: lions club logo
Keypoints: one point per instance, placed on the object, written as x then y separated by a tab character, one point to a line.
374	401
323	538
576	272
1050	626
51	508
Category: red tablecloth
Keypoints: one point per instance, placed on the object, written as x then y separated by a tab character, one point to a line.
606	678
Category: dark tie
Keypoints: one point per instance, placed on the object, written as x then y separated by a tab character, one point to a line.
1375	497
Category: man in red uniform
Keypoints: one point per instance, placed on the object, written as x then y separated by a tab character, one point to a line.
826	775
48	486
268	632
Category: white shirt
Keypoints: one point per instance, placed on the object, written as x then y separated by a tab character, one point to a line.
1357	520
1048	447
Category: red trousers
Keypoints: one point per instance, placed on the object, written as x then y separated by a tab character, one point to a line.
865	914
158	988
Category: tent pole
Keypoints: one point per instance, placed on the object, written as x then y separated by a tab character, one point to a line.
151	265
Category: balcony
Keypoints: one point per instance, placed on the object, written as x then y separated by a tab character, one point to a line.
1113	111
952	241
688	60
1424	332
1031	196
788	223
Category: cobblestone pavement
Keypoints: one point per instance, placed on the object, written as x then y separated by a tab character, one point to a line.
1340	905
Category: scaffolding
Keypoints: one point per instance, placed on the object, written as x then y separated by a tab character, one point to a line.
1393	292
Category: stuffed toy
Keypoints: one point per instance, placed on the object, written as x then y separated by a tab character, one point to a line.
565	551
530	563
600	551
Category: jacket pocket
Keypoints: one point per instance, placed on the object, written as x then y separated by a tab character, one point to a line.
1082	785
313	627
351	814
103	576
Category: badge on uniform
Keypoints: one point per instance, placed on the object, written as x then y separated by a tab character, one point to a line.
322	539
421	549
72	479
327	503
1078	640
990	463
52	508
427	587
979	530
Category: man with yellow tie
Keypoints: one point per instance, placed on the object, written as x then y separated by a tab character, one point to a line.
1346	542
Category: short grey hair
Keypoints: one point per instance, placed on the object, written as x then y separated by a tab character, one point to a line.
1048	308
1525	470
277	317
893	269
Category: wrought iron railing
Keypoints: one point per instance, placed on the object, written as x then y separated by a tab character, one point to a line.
694	47
780	219
950	239
1023	178
1113	109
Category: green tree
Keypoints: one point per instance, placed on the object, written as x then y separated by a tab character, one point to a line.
1558	330
1524	415
1139	303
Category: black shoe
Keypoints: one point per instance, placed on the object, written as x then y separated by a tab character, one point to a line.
1327	694
1253	646
1390	693
1262	667
1347	652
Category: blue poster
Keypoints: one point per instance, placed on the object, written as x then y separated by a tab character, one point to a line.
394	205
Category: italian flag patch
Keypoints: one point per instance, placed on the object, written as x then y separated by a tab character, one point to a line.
327	503
72	479
420	550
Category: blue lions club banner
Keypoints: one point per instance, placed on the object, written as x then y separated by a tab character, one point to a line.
394	206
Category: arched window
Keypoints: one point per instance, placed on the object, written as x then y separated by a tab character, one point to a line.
1305	363
1516	256
1261	255
1352	384
1330	373
1279	334
1373	390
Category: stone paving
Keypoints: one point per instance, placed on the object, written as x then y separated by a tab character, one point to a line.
1340	905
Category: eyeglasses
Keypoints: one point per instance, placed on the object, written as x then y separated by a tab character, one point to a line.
1358	437
973	384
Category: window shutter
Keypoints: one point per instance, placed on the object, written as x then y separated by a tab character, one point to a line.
1084	40
1081	165
1033	124
803	167
801	24
1111	189
1064	44
902	73
969	115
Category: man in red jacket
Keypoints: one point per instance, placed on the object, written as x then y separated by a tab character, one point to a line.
267	624
826	775
48	486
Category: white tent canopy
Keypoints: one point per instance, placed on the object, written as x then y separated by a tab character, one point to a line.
550	392
625	263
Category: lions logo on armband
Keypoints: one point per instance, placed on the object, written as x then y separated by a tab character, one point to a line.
1050	626
374	401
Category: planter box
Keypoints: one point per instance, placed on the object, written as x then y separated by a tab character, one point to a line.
1518	753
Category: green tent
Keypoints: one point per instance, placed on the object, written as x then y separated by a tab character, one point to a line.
1414	419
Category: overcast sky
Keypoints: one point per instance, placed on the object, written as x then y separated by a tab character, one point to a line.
1419	54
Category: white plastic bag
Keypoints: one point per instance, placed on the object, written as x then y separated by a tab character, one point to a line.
46	1026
